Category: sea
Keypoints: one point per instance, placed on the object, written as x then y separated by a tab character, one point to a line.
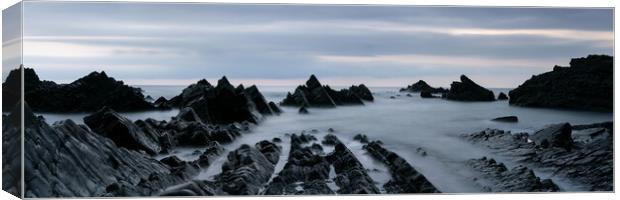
406	125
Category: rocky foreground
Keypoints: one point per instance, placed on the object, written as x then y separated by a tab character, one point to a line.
582	154
586	85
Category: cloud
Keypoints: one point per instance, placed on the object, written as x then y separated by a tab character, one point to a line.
438	60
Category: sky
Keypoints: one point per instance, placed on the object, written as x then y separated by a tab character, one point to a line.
177	44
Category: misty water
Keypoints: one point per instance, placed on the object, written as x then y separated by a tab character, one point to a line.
404	124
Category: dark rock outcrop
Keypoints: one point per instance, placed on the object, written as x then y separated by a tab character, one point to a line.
122	131
303	110
468	90
223	104
517	179
427	94
246	170
361	137
305	172
422	86
68	160
11	150
502	96
162	103
313	94
351	176
275	107
405	179
586	85
89	93
588	162
554	135
512	119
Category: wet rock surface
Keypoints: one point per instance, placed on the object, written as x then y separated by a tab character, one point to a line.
468	90
314	94
502	96
405	178
11	151
352	177
586	85
87	94
517	179
587	162
248	168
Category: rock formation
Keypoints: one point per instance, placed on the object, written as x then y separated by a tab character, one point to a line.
586	85
89	93
502	96
468	90
313	94
517	179
422	86
506	119
585	157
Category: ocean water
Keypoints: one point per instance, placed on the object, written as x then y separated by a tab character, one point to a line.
404	124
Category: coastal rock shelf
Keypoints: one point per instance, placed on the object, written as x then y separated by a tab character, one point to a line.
580	153
468	90
314	94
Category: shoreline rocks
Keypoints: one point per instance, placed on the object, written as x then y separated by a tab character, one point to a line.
586	85
588	162
405	179
468	90
422	86
509	119
314	94
517	179
89	93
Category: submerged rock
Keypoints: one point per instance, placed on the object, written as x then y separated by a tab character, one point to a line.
468	90
313	94
586	85
422	86
87	94
513	119
405	179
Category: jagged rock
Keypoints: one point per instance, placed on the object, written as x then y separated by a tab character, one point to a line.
502	96
589	163
586	85
188	114
405	179
468	90
162	103
89	93
80	163
259	100
351	176
303	110
313	94
213	150
361	137
245	172
224	103
276	139
421	86
11	150
506	119
122	131
518	179
270	150
275	107
304	173
555	135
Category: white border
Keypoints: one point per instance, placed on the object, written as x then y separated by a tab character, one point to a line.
523	3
